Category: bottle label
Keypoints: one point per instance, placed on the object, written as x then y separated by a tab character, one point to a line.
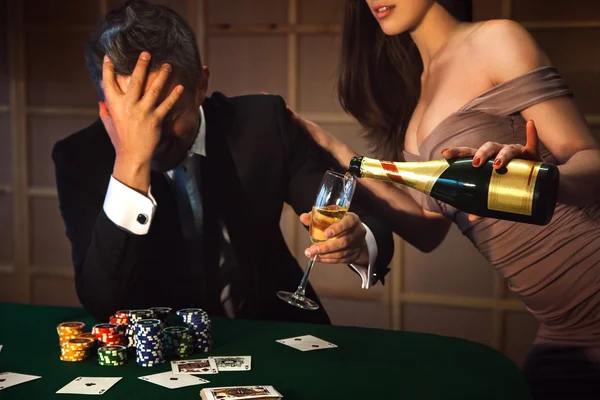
417	175
511	190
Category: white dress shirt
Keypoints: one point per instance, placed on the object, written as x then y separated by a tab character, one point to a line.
134	212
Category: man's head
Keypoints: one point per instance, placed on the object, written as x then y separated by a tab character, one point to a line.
138	26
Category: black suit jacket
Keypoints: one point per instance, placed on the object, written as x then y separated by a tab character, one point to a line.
257	160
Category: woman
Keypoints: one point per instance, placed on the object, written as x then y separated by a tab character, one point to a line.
476	84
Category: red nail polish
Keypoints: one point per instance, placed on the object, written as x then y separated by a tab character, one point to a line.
476	161
497	162
444	150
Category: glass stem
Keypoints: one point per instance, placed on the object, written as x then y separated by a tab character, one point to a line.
302	288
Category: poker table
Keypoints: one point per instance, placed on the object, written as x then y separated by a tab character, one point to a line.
367	364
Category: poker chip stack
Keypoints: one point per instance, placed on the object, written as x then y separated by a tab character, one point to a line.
149	343
108	334
69	330
77	349
134	316
179	341
112	356
89	335
121	319
199	323
161	313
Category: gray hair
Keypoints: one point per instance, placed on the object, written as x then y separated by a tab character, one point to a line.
139	26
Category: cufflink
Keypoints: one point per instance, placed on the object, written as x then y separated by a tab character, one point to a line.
142	219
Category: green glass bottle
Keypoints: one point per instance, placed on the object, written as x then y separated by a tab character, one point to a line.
522	191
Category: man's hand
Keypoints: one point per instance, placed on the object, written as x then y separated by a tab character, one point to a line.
346	243
133	119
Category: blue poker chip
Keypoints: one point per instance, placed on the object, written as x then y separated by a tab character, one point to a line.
149	342
199	324
190	311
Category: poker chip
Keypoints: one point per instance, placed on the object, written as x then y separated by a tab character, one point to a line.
161	313
121	322
123	314
133	317
69	330
108	334
198	321
112	356
88	335
121	319
149	342
179	341
76	349
92	337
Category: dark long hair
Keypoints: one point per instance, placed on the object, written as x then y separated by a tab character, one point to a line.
379	76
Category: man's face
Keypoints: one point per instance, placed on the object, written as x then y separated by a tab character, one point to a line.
180	126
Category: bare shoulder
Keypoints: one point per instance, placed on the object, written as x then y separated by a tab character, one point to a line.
507	49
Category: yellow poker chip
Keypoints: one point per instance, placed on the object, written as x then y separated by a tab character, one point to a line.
70	359
67	327
80	343
88	335
74	348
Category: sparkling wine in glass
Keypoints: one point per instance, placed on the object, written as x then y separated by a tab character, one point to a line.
332	203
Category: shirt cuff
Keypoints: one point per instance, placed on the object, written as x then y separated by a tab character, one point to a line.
129	209
367	274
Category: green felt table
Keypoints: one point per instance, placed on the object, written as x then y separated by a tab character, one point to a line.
368	364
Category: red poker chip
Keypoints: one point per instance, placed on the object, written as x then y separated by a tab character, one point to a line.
104	328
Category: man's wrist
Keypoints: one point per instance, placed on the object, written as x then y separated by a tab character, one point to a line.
132	172
363	258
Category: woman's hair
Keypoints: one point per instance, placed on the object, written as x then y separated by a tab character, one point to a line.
379	76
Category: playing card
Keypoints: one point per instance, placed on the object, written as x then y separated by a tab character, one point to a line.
172	381
8	379
240	393
233	363
88	385
307	343
198	366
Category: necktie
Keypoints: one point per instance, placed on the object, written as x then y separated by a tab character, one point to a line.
198	229
217	273
185	178
189	204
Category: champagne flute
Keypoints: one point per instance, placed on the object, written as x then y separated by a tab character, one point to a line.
332	203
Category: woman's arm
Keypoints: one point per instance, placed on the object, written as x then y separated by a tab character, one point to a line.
560	125
422	228
565	133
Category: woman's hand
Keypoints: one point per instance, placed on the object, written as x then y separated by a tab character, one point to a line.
342	153
504	152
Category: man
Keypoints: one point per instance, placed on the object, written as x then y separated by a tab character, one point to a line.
174	198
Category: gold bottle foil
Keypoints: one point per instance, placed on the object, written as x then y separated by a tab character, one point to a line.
512	190
417	175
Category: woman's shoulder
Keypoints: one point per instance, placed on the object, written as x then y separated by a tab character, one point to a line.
507	49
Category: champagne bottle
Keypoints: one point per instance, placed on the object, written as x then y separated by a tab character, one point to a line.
522	191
